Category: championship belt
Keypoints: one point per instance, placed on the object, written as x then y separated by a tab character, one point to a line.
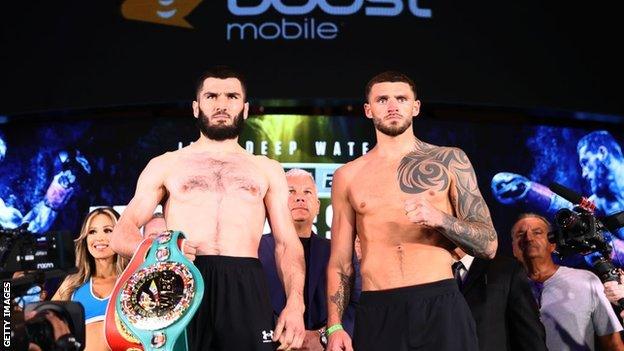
118	336
161	296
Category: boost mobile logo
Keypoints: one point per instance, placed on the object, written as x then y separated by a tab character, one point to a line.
169	12
310	28
393	8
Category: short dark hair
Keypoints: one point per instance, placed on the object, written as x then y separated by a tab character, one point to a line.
392	77
221	72
594	140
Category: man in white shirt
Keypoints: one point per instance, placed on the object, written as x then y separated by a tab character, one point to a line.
573	306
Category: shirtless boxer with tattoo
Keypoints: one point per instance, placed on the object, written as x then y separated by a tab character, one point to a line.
411	203
219	195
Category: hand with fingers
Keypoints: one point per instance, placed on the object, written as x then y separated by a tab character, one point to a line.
312	341
420	211
339	341
189	249
614	290
290	330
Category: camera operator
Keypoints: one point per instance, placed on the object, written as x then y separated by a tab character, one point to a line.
573	306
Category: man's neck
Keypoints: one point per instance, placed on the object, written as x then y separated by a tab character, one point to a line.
393	146
458	254
217	145
303	229
540	269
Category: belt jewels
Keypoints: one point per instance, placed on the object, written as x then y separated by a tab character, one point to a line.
159	299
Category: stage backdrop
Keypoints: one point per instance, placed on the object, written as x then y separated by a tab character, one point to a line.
531	53
77	164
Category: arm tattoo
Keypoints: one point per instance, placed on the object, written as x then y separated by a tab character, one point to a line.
429	168
342	296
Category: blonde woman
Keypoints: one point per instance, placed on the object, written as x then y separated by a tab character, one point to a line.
98	269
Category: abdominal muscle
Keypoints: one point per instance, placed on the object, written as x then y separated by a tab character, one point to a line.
94	337
232	227
392	259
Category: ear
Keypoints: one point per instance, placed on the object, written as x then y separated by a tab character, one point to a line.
367	110
602	153
195	109
245	110
551	247
416	108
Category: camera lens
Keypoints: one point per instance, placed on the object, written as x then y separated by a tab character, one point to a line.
570	222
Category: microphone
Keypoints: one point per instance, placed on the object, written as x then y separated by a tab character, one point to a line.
572	196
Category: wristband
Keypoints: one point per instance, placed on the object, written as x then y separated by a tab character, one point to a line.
323	337
334	328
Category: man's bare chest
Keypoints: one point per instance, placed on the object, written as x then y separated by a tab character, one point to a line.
216	176
377	187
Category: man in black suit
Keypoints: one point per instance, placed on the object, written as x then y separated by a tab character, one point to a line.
501	301
304	203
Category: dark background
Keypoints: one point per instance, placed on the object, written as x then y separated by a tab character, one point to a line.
58	55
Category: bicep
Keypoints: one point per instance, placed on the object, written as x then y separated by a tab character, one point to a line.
603	316
611	342
149	192
467	200
276	202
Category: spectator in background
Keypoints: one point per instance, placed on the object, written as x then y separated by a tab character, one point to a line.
573	306
304	204
499	295
154	226
98	268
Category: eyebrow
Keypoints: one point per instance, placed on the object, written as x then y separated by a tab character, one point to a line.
105	226
290	187
387	96
230	93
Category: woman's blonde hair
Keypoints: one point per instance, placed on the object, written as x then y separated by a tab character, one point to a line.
84	261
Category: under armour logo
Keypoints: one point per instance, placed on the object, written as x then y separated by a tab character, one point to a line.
267	336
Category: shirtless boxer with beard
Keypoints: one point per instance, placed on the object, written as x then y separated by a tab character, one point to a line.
219	195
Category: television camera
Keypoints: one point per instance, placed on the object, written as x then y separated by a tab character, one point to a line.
579	231
26	260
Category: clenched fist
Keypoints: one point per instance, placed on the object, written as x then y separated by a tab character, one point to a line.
420	211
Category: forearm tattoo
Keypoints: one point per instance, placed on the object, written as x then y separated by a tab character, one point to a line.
430	168
342	296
